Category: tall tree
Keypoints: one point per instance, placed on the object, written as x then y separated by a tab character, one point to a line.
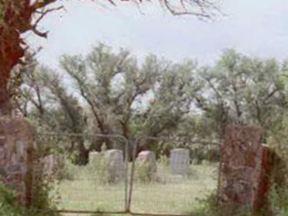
129	99
119	96
52	108
244	90
155	98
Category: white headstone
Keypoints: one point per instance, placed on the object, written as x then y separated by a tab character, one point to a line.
115	165
179	161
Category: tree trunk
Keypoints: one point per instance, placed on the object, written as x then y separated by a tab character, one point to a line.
5	70
10	54
5	106
82	154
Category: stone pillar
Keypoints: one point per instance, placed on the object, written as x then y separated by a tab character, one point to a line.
17	147
242	166
179	161
269	163
115	165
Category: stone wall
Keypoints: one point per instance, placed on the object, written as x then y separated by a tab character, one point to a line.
16	157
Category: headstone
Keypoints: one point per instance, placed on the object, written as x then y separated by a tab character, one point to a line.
115	165
146	162
149	158
179	161
243	167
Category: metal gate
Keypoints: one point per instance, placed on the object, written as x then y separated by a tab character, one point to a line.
166	195
172	193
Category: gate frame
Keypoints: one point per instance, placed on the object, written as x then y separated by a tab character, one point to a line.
126	180
129	180
131	185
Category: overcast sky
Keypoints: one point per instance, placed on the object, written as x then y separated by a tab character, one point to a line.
254	27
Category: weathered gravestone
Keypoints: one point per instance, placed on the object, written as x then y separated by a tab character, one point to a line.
115	165
146	165
179	161
17	147
244	168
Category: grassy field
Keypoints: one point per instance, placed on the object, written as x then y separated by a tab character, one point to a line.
173	194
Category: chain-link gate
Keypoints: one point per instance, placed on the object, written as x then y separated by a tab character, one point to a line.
167	186
84	188
173	186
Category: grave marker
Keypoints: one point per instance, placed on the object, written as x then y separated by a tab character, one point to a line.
179	161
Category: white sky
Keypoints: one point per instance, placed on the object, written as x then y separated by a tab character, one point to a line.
254	27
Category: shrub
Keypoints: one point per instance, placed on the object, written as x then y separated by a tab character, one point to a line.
145	172
8	202
43	204
66	171
278	200
9	205
44	182
210	207
278	195
164	160
97	169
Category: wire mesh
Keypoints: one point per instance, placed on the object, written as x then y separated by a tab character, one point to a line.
99	185
167	187
176	180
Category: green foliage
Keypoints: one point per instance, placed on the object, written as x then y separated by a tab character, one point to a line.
144	173
113	94
68	171
164	160
278	194
44	195
278	140
1	12
245	90
43	204
208	152
54	109
209	207
8	203
278	200
98	167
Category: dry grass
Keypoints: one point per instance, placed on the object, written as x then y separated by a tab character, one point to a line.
172	194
